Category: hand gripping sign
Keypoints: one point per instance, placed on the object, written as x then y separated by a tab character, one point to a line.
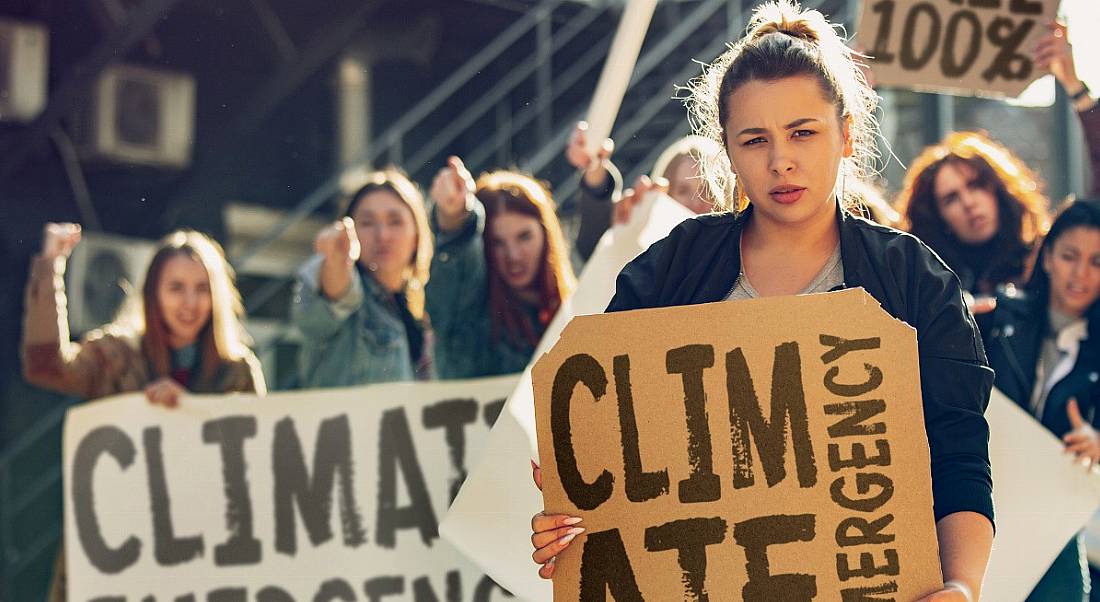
955	46
753	450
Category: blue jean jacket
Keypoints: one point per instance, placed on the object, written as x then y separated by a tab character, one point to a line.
356	340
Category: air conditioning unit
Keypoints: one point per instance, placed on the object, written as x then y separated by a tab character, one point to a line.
138	115
100	272
23	66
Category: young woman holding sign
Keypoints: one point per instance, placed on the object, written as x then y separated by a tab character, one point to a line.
500	273
187	335
359	301
977	204
1044	344
795	116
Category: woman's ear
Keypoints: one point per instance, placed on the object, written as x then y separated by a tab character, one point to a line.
846	130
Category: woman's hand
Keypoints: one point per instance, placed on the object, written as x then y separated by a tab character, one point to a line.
58	239
338	242
1083	441
1054	53
164	392
624	208
953	591
594	168
550	533
452	191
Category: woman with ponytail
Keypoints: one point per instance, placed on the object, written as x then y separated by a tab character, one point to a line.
794	113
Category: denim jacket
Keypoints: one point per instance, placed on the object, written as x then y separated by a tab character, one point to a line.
356	340
457	299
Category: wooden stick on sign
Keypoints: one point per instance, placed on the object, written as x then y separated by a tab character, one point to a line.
617	71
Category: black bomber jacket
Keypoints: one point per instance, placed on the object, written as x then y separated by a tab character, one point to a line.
698	262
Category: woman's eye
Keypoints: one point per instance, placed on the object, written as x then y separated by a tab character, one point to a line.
753	141
803	133
525	236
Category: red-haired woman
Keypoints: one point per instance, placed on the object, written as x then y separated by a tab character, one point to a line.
500	272
976	203
187	335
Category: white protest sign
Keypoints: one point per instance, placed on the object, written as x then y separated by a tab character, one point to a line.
1042	500
955	46
616	73
490	520
326	494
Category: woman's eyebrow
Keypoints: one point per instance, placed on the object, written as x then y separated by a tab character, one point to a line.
791	125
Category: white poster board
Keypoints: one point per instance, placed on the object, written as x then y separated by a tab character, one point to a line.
322	494
1042	499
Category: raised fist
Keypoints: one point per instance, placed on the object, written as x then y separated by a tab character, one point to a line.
338	242
58	240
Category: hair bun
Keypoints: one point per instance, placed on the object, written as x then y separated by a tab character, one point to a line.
785	18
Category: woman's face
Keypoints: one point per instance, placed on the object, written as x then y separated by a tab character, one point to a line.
968	208
1073	264
785	144
685	185
517	245
183	294
387	233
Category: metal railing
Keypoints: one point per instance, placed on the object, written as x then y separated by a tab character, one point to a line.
16	502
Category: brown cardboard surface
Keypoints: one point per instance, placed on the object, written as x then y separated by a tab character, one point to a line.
967	47
702	513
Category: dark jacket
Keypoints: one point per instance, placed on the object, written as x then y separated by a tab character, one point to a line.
594	206
1013	334
1090	125
699	262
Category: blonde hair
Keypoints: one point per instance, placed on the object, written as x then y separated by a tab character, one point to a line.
393	180
784	41
699	151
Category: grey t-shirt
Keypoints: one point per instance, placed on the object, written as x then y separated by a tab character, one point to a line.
830	276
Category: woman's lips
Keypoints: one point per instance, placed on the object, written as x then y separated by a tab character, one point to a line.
786	194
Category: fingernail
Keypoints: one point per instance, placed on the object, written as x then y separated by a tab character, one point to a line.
567	538
534	465
572	520
552	560
575	531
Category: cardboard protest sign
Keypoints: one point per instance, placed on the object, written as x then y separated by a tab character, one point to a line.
313	495
1042	498
490	520
955	46
757	450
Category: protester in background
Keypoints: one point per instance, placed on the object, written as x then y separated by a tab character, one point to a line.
601	199
977	204
501	272
1044	344
184	335
796	117
359	302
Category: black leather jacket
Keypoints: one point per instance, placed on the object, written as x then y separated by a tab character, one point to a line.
699	262
1013	334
